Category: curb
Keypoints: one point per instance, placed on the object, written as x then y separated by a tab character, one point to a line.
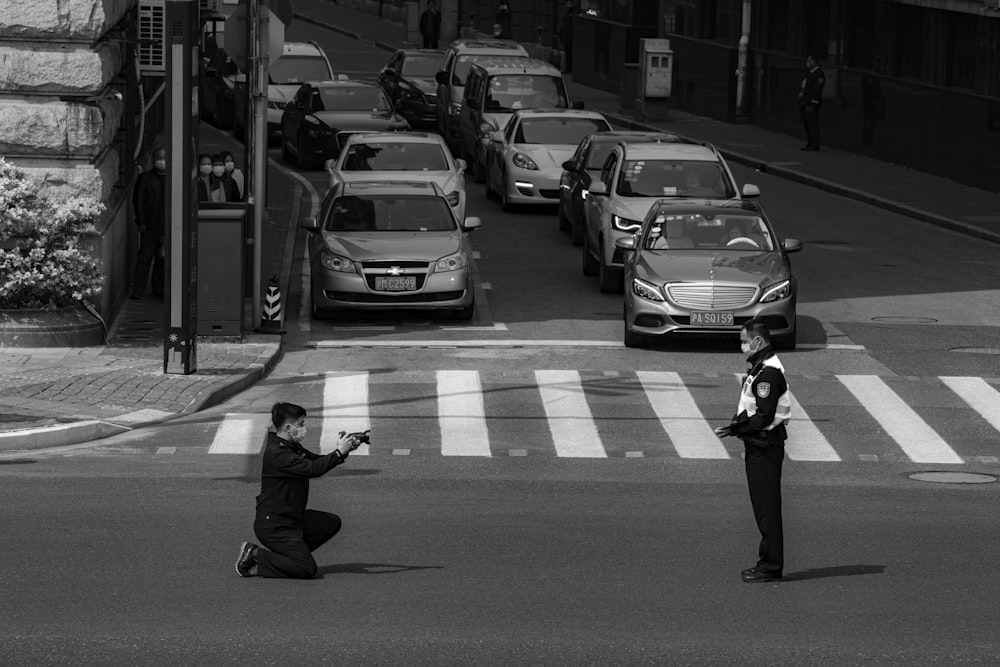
349	33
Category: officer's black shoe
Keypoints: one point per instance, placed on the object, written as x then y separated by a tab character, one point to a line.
247	560
753	576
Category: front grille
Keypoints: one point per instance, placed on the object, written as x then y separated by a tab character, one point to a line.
549	194
391	298
280	106
431	99
712	296
649	321
388	264
618	256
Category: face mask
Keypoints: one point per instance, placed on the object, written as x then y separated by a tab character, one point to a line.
160	165
746	347
205	169
219	170
297	432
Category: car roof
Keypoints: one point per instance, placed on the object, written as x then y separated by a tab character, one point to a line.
670	151
636	136
343	83
300	49
708	206
400	137
482	45
421	52
400	187
512	63
555	113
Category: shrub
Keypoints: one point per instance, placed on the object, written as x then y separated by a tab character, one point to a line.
42	264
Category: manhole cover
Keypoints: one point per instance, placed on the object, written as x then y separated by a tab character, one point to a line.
976	350
953	477
905	320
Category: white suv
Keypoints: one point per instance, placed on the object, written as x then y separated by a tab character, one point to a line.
634	176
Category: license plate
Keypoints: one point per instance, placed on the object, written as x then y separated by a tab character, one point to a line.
709	319
394	284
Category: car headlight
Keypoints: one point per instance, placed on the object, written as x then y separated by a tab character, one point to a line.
777	291
451	263
453	198
524	162
624	224
646	290
316	128
336	263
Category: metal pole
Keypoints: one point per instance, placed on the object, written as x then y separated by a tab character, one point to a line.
256	137
741	69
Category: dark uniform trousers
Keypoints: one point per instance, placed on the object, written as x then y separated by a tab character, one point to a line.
810	119
290	547
763	465
149	245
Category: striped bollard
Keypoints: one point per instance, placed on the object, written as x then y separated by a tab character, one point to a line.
270	318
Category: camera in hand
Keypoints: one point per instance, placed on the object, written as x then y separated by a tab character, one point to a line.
363	437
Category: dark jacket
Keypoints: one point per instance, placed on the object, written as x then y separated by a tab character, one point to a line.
566	26
430	24
811	93
750	428
226	182
503	20
149	201
284	479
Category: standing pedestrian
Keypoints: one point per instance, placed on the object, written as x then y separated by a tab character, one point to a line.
872	106
764	409
501	27
430	25
288	532
810	100
149	203
566	35
214	185
234	173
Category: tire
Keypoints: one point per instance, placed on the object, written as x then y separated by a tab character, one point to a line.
564	223
478	171
465	313
633	339
491	193
317	312
576	232
786	342
286	155
589	266
609	277
505	203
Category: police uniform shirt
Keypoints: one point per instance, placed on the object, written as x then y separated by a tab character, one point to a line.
811	93
765	405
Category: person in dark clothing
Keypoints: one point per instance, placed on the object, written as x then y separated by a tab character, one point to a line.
149	202
430	25
288	532
566	34
503	21
764	409
810	101
872	107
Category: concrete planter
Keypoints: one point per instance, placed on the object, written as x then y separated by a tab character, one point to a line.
73	326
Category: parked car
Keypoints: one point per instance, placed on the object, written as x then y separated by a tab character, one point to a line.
524	160
706	267
634	176
383	245
299	62
408	81
323	114
585	167
391	156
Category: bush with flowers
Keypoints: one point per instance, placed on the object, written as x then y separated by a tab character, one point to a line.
42	264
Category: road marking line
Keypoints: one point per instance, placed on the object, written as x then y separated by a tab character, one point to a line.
464	343
633	455
980	396
240	433
517	452
345	408
805	441
680	416
401	452
913	435
872	458
461	414
166	450
569	418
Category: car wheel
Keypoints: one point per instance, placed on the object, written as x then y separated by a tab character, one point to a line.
465	313
286	155
576	231
505	203
564	224
478	172
609	277
317	312
589	263
787	342
633	339
490	191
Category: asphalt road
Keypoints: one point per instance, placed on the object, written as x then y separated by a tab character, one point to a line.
120	552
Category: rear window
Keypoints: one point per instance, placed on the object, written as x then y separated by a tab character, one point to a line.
395	156
352	98
674	178
299	69
421	65
382	213
555	131
510	92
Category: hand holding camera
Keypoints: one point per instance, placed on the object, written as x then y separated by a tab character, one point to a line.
350	441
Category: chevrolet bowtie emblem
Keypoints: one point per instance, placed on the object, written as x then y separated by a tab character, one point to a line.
394	271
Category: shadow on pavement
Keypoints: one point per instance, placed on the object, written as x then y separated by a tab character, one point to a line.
835	571
372	568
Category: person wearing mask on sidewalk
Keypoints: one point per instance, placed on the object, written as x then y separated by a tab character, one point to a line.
149	202
214	185
234	173
501	28
430	25
566	35
288	532
764	409
810	100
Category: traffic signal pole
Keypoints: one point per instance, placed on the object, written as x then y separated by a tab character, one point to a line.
256	135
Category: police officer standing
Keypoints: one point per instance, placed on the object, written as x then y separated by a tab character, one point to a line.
810	100
760	419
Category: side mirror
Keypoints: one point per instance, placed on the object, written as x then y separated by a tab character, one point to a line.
791	245
310	224
329	166
461	164
471	223
389	71
751	190
598	189
625	242
442	77
568	165
241	78
497	137
578	105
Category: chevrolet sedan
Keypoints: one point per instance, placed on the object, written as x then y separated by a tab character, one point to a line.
524	160
387	245
706	267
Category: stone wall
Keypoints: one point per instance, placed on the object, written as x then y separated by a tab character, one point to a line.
59	113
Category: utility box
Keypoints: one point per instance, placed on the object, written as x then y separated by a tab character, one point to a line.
221	268
656	62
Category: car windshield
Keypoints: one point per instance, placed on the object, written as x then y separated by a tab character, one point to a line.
509	92
389	213
298	69
351	98
674	178
700	231
557	131
395	156
421	65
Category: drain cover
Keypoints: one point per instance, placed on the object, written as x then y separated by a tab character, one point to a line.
905	320
953	477
976	350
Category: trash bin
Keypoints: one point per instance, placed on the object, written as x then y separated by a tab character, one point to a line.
221	268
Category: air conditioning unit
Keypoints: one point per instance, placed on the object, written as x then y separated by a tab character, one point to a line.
991	4
152	37
209	7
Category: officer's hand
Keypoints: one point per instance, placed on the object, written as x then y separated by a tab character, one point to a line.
723	431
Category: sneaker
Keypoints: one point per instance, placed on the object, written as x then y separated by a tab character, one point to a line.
247	560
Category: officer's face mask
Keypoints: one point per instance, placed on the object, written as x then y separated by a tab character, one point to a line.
218	170
205	169
749	348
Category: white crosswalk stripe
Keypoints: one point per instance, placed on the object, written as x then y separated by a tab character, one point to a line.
580	412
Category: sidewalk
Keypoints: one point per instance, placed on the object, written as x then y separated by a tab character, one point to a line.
924	197
51	397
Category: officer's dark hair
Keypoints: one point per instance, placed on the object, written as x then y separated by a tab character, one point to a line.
283	413
755	328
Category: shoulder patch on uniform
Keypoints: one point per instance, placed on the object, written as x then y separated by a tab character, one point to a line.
763	389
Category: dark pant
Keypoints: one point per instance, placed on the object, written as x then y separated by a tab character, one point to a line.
763	466
568	57
288	548
430	42
810	118
149	244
